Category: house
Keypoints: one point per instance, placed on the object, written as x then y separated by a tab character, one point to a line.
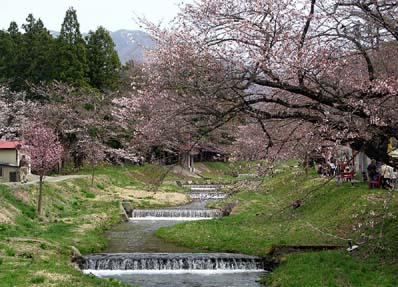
10	155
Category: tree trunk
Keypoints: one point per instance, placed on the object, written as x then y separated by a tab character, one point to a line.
92	176
187	161
40	195
306	164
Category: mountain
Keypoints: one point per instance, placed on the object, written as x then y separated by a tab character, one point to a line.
129	44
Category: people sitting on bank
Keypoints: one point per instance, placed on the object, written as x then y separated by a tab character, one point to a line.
325	170
348	173
386	173
23	169
332	168
394	178
319	169
372	172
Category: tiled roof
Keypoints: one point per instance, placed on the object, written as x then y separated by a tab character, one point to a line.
9	144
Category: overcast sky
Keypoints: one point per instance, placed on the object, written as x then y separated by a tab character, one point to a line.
112	14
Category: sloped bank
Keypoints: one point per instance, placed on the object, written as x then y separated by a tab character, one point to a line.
37	250
264	217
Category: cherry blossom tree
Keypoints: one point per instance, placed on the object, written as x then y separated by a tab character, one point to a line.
44	151
76	114
15	111
94	153
162	120
327	63
159	123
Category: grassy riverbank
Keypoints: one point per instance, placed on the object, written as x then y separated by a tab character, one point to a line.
264	218
36	250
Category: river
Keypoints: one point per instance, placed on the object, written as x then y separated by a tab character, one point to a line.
135	255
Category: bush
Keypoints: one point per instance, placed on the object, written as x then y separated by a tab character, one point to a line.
100	186
38	280
43	245
10	252
90	195
60	207
3	227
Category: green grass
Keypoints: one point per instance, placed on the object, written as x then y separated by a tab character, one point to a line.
264	218
74	214
143	177
45	257
332	269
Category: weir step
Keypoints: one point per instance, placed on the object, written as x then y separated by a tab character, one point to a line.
205	195
202	186
176	213
171	261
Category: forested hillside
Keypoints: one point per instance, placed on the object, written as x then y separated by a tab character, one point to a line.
33	56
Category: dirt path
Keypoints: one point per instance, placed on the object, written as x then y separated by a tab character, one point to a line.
33	179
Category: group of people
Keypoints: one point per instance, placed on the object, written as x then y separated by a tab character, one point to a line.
383	172
387	175
333	168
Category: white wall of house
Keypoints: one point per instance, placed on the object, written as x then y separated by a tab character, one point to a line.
9	156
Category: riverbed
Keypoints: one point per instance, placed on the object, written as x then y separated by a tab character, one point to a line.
137	236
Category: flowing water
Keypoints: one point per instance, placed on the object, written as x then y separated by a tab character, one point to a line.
189	279
167	214
138	262
212	195
135	255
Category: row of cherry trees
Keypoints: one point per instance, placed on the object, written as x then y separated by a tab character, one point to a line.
306	71
275	77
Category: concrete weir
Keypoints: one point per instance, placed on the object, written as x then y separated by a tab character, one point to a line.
171	262
207	195
166	214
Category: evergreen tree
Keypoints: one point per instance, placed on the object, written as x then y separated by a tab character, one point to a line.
6	55
14	69
35	57
15	34
71	51
103	61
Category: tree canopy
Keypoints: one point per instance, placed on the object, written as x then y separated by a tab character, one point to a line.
34	56
71	52
328	64
104	63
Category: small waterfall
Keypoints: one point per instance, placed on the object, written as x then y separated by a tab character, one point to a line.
169	262
202	187
175	214
203	195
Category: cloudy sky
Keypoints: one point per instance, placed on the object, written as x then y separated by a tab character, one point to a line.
112	14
